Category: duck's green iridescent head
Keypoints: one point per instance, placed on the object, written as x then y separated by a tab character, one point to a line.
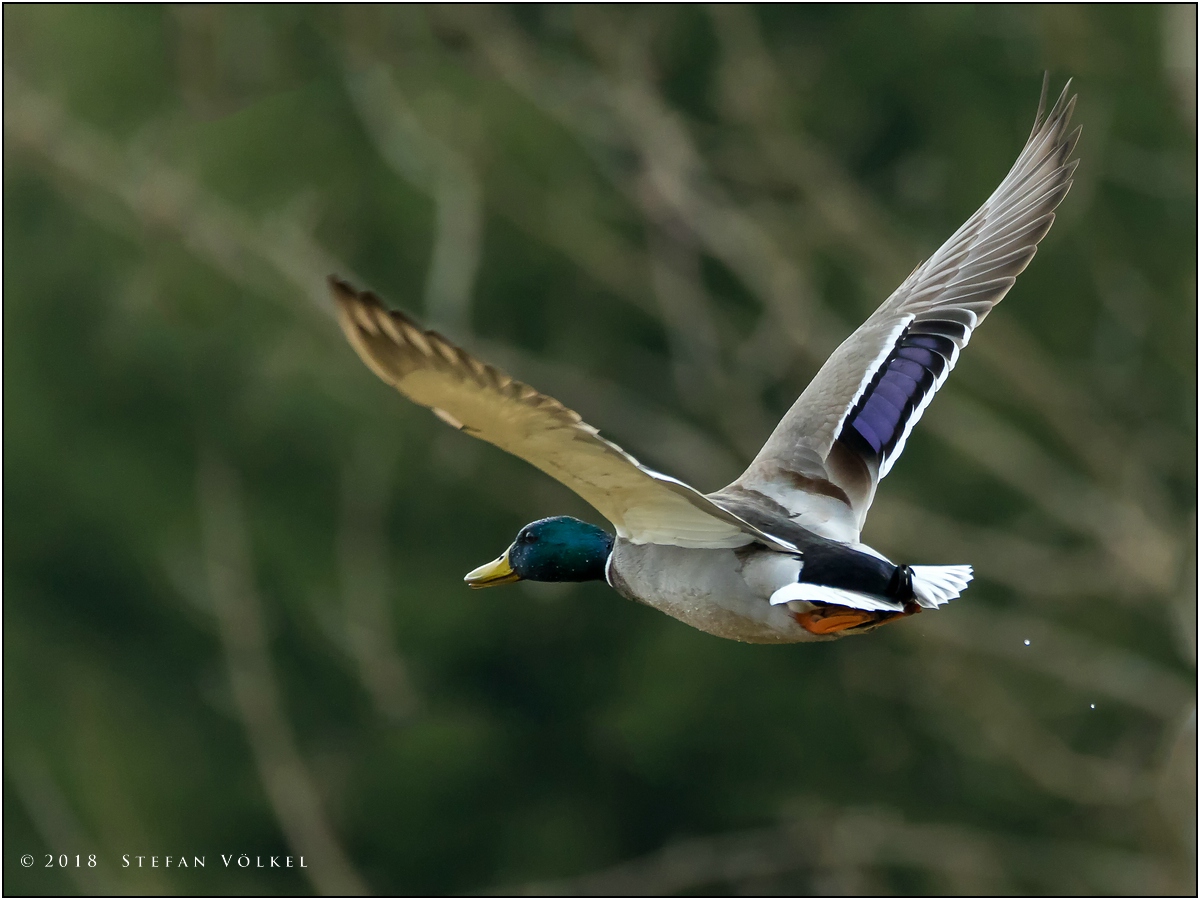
555	549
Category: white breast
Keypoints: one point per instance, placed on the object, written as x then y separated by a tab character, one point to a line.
721	592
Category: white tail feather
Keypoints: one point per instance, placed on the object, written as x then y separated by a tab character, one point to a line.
938	585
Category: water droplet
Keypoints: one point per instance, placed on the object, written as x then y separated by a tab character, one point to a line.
1026	642
1093	706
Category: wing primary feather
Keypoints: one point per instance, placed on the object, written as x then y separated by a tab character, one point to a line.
413	335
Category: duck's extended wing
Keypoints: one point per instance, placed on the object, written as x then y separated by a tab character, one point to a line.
644	506
825	458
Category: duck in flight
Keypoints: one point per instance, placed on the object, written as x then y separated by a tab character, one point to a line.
774	557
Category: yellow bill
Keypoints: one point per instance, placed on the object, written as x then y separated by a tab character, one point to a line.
498	571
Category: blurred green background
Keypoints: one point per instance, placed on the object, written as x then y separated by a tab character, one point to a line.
234	620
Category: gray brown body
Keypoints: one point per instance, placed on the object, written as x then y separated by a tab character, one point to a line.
723	592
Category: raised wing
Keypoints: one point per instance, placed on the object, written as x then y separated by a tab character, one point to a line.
848	428
644	506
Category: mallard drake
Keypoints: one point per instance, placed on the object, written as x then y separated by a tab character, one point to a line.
775	557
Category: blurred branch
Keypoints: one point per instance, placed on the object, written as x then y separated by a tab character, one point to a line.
58	826
836	849
685	310
1121	526
1179	55
289	785
833	849
681	179
365	579
435	168
967	702
987	719
694	334
615	115
275	258
1071	412
1183	604
751	95
1176	789
163	196
1084	663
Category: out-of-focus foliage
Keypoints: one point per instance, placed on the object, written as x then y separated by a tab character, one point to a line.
233	614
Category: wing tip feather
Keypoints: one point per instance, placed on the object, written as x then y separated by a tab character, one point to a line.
1037	119
364	315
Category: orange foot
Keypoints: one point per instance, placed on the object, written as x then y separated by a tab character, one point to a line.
832	619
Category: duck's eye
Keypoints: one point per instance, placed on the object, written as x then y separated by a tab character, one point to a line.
529	538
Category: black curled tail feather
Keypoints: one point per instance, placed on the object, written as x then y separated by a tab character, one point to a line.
901	586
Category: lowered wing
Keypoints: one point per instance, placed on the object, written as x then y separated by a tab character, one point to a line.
644	506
